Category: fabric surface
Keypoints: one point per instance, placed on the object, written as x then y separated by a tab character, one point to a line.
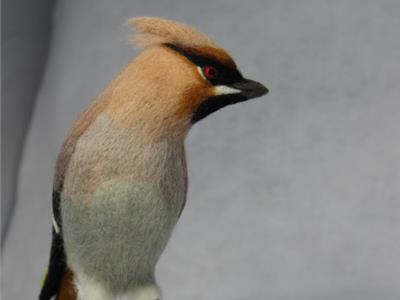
292	196
25	37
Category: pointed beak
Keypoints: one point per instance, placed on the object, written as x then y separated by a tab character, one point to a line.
250	88
236	92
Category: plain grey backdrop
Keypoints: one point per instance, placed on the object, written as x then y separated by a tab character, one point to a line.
292	196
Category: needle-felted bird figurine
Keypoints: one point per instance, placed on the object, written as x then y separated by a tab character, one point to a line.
120	182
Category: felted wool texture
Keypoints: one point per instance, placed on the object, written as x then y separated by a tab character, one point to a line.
153	98
105	152
119	204
152	31
122	169
158	90
119	235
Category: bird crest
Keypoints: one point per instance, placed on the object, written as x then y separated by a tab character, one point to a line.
154	31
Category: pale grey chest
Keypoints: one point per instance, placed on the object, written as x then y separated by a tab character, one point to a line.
119	205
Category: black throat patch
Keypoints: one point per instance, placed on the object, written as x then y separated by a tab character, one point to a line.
226	76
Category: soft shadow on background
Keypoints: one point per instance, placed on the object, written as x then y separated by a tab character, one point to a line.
292	196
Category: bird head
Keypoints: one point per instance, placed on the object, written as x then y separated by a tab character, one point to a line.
180	77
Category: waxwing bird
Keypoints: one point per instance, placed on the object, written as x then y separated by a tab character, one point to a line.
120	182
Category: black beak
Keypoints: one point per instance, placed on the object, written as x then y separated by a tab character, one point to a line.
250	88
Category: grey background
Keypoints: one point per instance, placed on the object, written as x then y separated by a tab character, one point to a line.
292	196
24	48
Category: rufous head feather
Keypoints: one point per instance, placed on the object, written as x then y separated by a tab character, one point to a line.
151	31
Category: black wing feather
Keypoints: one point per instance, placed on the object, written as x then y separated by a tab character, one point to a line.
57	263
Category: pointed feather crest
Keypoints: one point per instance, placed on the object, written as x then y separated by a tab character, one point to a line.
152	31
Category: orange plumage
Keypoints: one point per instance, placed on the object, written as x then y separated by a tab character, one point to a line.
121	180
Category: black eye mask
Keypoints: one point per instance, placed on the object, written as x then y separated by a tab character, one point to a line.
225	75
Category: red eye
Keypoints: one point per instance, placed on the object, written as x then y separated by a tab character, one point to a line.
210	72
